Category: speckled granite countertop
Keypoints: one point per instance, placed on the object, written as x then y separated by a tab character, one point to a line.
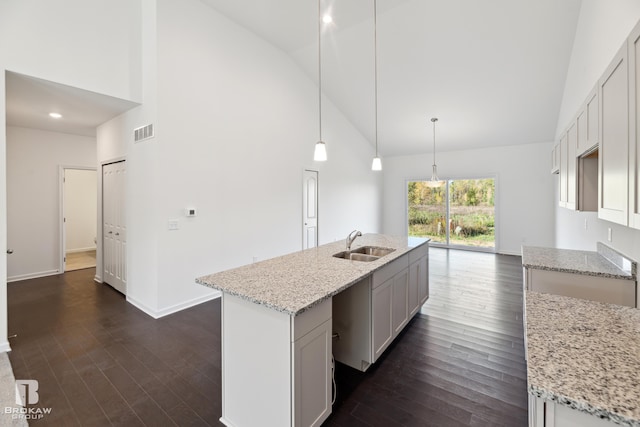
295	282
606	262
584	355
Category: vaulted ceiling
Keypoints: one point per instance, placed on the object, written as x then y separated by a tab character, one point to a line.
492	71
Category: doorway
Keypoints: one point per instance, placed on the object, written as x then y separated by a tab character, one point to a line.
310	209
79	218
458	214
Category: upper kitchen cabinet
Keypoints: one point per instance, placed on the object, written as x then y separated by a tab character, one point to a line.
568	147
563	170
634	127
555	159
588	124
613	160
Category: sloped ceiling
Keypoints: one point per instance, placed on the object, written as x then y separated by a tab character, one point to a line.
492	71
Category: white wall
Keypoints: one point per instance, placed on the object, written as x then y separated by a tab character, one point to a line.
33	196
524	203
236	125
602	29
80	209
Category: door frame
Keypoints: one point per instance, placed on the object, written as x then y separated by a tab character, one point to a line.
61	218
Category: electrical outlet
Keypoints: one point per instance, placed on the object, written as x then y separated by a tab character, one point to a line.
173	225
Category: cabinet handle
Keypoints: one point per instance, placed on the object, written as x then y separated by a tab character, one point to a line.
117	234
9	251
111	232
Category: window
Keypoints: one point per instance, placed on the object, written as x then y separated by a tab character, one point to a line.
460	213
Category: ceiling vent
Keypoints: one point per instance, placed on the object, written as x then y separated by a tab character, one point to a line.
142	133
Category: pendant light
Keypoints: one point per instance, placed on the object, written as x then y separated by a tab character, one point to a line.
376	165
320	152
434	182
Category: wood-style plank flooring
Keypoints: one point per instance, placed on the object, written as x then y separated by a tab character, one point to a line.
80	260
100	361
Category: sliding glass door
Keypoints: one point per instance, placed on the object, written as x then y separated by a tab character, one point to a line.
460	213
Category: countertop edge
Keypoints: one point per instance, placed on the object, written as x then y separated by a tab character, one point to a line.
583	407
582	272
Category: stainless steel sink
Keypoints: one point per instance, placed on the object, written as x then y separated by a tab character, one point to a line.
365	253
373	251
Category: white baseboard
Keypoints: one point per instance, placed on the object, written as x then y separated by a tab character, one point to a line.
156	314
97	279
73	251
32	275
4	347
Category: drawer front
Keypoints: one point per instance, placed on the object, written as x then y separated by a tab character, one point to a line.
389	270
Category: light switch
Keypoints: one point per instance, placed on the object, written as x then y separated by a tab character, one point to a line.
174	224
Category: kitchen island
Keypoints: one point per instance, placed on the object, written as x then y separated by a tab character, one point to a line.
583	360
279	322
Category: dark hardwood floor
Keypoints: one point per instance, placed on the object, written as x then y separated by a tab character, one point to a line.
100	361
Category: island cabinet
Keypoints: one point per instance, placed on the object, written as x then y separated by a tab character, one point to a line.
369	315
544	413
276	364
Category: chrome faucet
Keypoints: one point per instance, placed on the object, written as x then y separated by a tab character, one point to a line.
351	237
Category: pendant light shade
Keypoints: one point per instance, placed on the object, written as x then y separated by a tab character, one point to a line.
376	165
320	152
434	182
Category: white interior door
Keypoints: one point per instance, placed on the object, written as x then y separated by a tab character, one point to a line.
114	231
310	209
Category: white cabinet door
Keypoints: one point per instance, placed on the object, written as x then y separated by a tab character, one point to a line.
613	161
413	297
423	280
634	128
563	170
312	376
400	307
588	124
572	182
382	330
555	159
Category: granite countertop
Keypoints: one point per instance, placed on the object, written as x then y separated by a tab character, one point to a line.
606	262
296	282
584	355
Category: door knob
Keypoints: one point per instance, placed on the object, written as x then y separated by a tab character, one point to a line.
9	251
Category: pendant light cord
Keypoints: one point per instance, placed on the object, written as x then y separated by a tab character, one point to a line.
375	64
320	68
434	120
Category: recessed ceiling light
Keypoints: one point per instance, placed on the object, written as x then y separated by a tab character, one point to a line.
327	19
55	115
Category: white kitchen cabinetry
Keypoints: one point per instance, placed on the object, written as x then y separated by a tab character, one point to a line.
594	288
563	170
634	128
390	310
290	355
588	124
544	413
555	159
571	161
369	315
418	278
613	157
